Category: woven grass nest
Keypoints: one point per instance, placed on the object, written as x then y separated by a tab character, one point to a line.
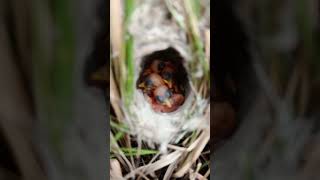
146	143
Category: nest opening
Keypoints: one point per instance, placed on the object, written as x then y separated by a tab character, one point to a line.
165	60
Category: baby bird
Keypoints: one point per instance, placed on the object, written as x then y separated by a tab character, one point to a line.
150	82
160	88
162	95
165	100
155	67
167	74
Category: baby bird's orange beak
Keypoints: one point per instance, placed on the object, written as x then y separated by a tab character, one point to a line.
168	82
168	103
142	85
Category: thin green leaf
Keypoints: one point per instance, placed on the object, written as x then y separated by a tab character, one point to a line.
135	151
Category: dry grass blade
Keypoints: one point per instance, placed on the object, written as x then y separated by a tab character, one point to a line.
115	170
115	148
115	97
195	174
116	35
194	155
143	176
178	148
192	18
206	175
207	44
196	41
150	168
116	21
170	171
164	161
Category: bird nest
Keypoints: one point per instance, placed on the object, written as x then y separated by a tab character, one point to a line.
153	123
156	39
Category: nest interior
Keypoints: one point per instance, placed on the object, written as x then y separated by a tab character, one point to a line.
168	55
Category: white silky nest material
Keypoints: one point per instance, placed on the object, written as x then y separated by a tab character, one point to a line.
163	128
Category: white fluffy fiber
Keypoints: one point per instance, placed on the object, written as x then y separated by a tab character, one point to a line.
163	128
